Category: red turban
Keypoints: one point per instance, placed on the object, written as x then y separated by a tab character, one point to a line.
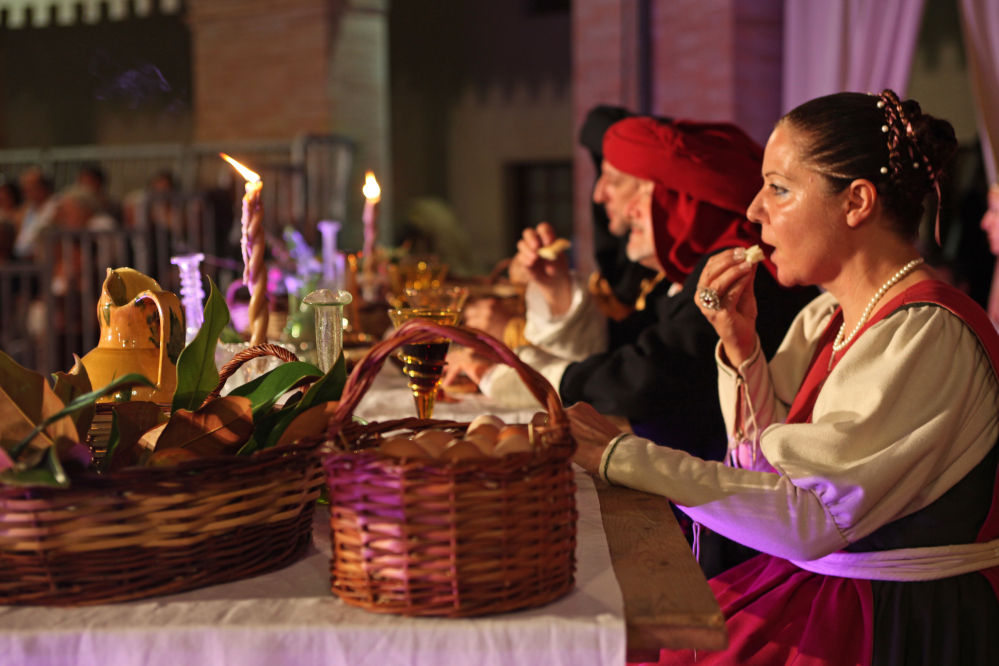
705	175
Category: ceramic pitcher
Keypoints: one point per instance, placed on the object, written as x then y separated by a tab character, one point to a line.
142	330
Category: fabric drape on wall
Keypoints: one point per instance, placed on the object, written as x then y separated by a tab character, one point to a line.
848	45
980	23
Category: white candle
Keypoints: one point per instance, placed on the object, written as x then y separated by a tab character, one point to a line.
253	247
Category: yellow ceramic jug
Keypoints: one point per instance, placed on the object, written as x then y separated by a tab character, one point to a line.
142	330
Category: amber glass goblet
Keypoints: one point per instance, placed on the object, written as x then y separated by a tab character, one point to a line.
424	362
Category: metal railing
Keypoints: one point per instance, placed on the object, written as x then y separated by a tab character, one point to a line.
305	179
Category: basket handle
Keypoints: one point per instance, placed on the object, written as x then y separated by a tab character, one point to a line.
422	330
227	371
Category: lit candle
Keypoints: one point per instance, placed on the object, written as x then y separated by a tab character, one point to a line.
372	195
252	245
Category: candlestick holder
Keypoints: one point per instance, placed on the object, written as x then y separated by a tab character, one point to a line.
333	261
424	363
192	291
328	306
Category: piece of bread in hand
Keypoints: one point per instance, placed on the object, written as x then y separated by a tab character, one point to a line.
551	252
754	254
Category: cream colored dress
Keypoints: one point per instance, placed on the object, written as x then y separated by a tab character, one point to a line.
906	413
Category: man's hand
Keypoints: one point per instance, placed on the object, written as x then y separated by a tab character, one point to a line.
551	277
461	361
487	314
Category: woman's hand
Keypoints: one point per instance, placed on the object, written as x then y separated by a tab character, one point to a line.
731	278
592	433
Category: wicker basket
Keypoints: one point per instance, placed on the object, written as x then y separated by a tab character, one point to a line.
151	531
432	538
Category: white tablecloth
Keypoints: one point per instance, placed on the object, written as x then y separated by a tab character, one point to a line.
290	617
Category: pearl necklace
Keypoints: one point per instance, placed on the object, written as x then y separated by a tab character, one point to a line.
839	343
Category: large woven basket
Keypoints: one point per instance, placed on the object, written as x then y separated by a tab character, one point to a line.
433	538
150	531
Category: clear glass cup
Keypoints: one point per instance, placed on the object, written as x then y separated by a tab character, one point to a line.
328	306
424	362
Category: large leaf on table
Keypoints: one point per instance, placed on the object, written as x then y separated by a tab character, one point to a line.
265	390
219	428
197	375
71	385
310	423
45	468
26	401
129	421
327	389
58	425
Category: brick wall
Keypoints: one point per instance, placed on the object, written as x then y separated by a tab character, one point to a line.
261	67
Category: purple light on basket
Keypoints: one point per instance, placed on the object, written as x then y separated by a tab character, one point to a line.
192	292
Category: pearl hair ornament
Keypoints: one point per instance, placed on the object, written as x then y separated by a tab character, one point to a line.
839	343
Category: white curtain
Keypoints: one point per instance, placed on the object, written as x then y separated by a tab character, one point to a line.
849	45
980	21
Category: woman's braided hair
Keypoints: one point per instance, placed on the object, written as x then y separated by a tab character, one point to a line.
880	138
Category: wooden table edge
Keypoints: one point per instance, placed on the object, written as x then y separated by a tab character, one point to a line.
667	601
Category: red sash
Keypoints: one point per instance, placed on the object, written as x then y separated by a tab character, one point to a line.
931	292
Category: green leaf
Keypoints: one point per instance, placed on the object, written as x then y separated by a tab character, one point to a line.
82	402
230	336
330	387
114	440
197	375
50	474
265	390
71	385
264	428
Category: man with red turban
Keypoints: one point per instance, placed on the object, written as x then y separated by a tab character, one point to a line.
680	191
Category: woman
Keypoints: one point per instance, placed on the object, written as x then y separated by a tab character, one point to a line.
863	456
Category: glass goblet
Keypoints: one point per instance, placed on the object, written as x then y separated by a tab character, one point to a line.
451	299
424	362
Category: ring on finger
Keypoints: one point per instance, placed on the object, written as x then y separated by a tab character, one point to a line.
708	297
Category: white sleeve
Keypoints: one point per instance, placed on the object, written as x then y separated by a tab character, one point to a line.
757	394
575	335
892	430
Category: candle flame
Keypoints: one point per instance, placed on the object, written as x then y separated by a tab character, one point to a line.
372	192
247	174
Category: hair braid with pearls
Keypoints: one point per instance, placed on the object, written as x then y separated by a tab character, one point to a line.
880	138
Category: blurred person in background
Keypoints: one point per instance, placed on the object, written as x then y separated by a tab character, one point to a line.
37	212
10	219
78	209
93	179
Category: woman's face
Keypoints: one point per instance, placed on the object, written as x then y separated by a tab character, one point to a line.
798	215
990	221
